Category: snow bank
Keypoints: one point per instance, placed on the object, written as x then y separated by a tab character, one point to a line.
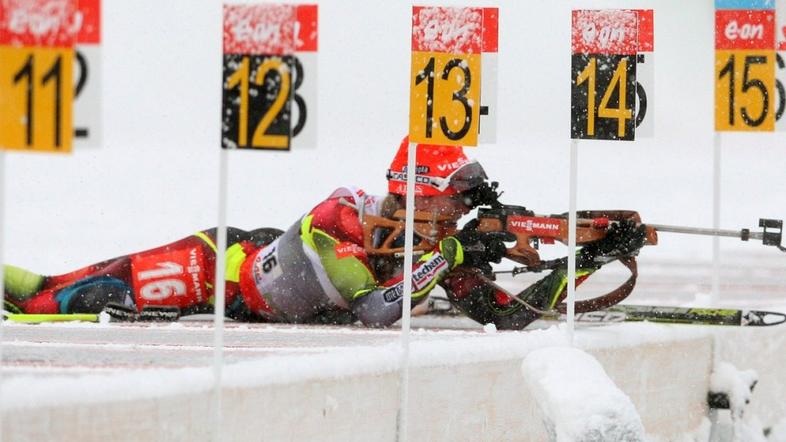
440	349
736	384
578	400
467	384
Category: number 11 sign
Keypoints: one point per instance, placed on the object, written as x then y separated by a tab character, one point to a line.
36	74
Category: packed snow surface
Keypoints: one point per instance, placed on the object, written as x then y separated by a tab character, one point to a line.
578	400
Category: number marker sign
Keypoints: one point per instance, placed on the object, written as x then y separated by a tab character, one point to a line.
445	75
87	75
36	74
304	121
603	74
488	82
645	74
780	64
745	93
263	75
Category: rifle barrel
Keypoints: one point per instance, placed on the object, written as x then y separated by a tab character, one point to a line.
743	234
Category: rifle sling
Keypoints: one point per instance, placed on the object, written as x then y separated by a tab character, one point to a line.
611	298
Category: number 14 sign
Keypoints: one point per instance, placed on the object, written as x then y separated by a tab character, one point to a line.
603	74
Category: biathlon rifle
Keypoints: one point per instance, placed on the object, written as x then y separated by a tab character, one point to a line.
532	230
384	236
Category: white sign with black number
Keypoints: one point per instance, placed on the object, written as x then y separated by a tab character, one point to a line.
87	96
645	86
645	74
304	82
780	65
488	99
304	101
87	75
488	80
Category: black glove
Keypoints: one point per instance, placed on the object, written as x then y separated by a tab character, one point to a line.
624	238
481	248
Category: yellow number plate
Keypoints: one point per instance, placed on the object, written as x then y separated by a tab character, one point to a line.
36	96
444	105
745	92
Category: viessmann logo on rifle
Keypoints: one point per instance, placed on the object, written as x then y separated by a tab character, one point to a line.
427	270
534	225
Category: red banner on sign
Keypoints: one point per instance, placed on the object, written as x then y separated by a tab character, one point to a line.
259	29
609	31
646	33
307	29
740	29
44	23
490	29
89	18
447	30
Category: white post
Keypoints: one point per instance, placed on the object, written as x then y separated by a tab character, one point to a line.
572	239
219	295
2	268
716	203
409	227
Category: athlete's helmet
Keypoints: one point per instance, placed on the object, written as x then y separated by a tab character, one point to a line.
441	170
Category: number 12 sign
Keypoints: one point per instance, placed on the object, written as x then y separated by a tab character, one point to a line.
445	75
269	64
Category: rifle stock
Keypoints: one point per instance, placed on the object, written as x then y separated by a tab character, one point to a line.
531	229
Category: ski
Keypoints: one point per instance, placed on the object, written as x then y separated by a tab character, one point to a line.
685	315
31	318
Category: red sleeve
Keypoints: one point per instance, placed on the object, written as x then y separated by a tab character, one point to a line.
337	220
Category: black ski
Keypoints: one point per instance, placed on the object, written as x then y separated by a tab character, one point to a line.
685	315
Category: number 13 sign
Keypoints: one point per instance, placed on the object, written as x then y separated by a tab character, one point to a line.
445	73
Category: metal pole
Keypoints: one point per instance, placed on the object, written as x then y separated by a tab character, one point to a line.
409	227
219	295
716	203
705	232
572	239
2	269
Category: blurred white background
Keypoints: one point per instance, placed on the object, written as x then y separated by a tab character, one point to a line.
155	178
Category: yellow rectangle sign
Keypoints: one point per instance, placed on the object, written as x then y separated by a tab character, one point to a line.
745	93
36	96
444	105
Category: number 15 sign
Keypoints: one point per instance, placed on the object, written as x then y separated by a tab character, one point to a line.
445	76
